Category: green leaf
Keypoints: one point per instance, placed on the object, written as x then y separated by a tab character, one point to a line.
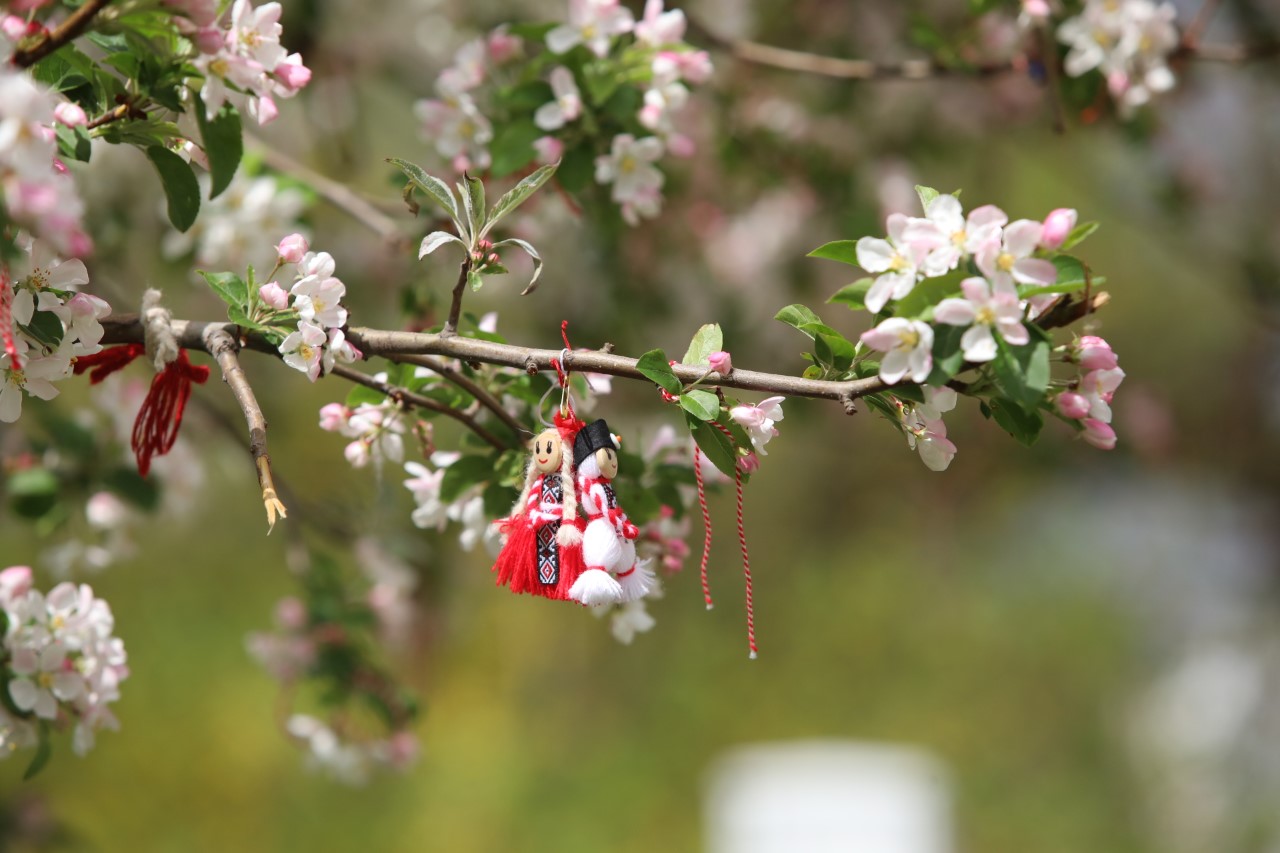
706	340
45	328
576	168
230	288
361	395
498	500
532	253
44	750
844	251
180	186
33	492
1023	372
518	194
474	279
831	347
797	316
854	295
912	393
714	444
73	143
703	405
1078	235
223	143
948	358
653	365
512	147
929	293
435	188
927	195
435	240
1024	425
463	474
471	190
133	488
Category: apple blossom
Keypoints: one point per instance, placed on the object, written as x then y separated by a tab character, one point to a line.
424	483
897	260
70	115
316	300
302	349
229	231
549	149
567	105
636	183
951	234
983	312
293	248
502	45
721	362
458	130
1128	41
333	417
1099	434
1093	353
274	295
1098	387
1010	260
759	420
908	345
929	438
1057	227
592	23
658	28
1071	405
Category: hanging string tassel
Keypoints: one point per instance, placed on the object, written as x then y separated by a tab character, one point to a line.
742	542
108	361
706	526
6	321
160	417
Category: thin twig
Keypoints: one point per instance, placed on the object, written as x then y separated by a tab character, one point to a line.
75	24
421	402
455	307
339	195
482	396
220	344
125	110
1200	23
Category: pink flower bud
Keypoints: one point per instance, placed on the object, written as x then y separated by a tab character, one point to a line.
681	145
721	362
1057	226
15	582
333	417
1072	405
402	750
357	453
492	259
104	511
502	46
13	27
208	40
749	464
293	75
70	114
549	149
1117	83
1036	8
274	295
291	614
1100	435
292	248
1093	353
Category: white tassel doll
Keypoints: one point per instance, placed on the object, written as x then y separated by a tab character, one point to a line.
608	545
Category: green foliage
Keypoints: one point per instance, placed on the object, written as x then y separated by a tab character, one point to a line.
223	143
517	196
844	251
715	444
434	188
853	295
180	186
653	365
231	288
703	405
466	472
707	340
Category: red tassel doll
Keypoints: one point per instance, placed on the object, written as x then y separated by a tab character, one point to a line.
543	551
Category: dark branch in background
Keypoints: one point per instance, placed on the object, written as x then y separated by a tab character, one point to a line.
75	24
219	343
404	396
393	345
482	396
339	195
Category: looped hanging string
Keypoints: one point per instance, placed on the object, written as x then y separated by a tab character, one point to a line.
706	527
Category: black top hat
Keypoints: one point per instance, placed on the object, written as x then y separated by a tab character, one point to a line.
591	438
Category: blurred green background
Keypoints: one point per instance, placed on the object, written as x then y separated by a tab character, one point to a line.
1086	640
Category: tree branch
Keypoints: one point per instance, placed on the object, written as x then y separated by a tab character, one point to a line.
404	396
339	195
126	328
485	399
455	308
220	344
75	24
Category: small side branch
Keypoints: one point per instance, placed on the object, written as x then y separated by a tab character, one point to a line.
223	347
418	401
482	396
455	308
75	24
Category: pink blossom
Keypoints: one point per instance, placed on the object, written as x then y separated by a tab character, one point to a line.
13	27
592	23
292	248
15	581
333	417
208	40
908	348
291	614
402	750
721	362
1057	226
503	46
983	311
749	464
1072	405
759	421
70	114
1099	387
1099	434
1010	260
292	74
274	295
1093	353
658	28
549	149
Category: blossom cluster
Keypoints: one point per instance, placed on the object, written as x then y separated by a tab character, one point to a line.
1129	42
376	430
38	193
318	341
61	661
649	54
44	324
348	761
242	59
433	513
1088	397
228	233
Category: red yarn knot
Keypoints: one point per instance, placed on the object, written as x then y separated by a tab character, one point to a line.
108	361
160	417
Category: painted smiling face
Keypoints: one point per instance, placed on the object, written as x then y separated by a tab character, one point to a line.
547	451
607	459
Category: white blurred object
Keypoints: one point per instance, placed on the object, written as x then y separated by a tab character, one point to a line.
826	796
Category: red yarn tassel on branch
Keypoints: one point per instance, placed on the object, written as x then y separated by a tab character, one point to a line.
156	427
6	321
